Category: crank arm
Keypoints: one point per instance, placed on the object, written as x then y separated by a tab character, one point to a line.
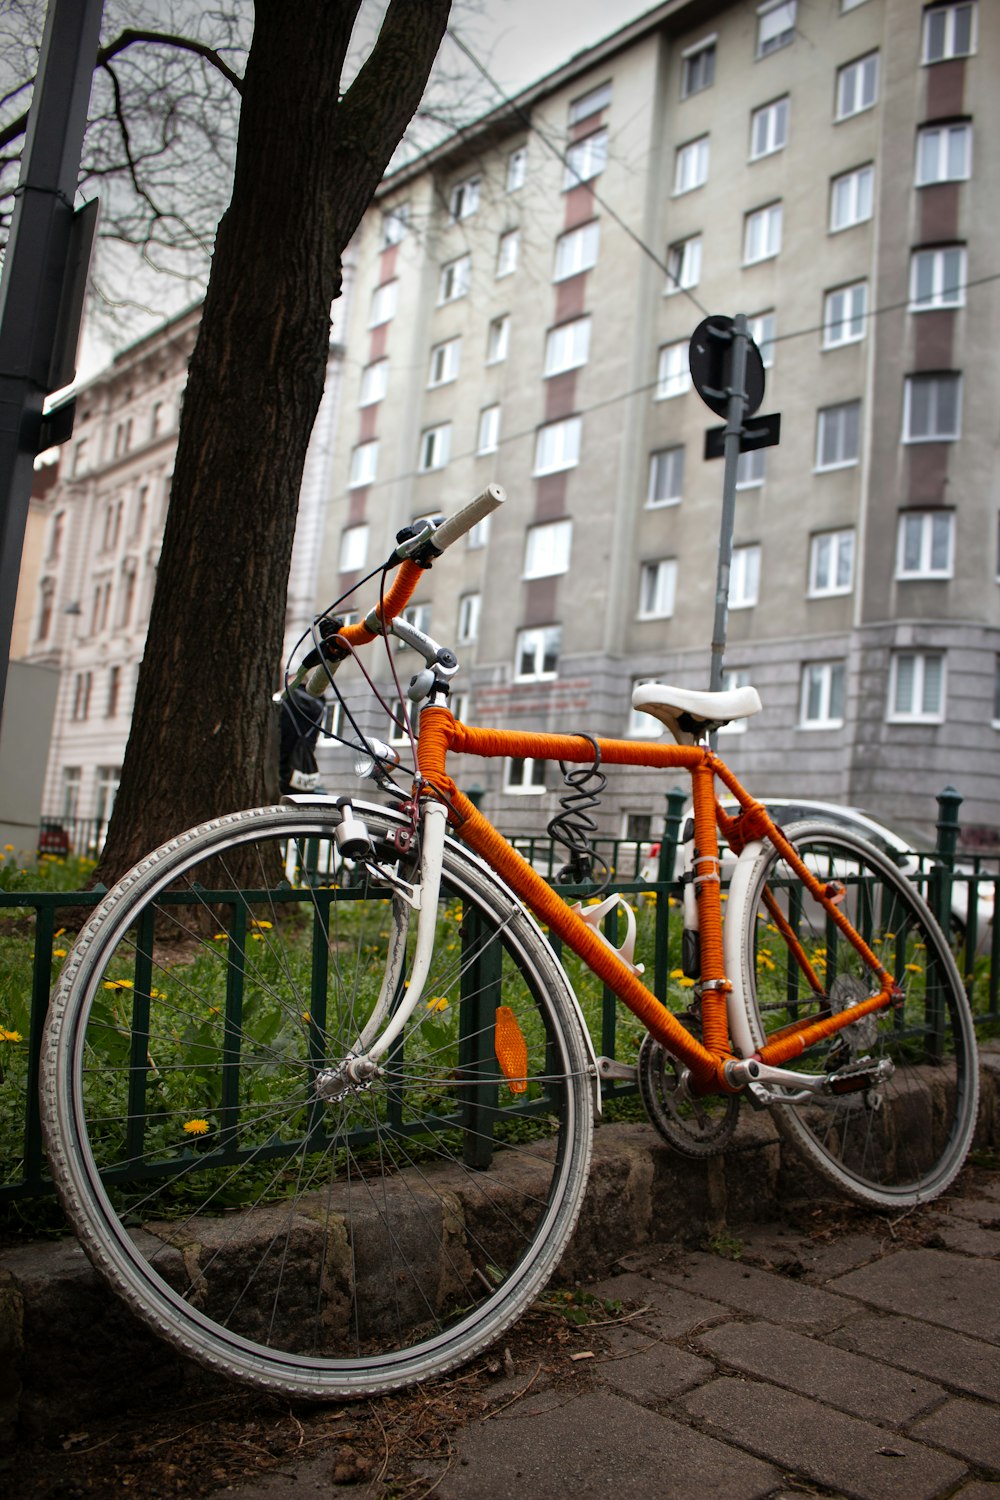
607	1067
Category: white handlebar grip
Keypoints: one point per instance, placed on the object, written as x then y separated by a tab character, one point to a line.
319	679
463	520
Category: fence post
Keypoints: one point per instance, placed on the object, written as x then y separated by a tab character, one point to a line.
949	801
664	874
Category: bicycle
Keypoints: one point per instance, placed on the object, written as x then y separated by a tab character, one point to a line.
341	1036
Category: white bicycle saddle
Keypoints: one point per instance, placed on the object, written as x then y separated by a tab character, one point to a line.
691	715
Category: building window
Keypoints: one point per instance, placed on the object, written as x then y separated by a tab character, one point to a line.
469	606
733	678
47	596
364	463
932	408
108	782
698	68
419	616
508	249
576	251
775	26
761	328
944	153
657	589
762	234
924	544
937	278
435	448
479	535
586	159
691	165
537	653
498	339
822	701
857	86
916	687
831	563
949	31
845	315
353	548
445	360
590	103
114	691
517	169
851	197
744	577
684	264
464	200
374	382
402	718
385	300
751	469
126	592
557	446
666	477
454	281
567	347
769	128
524	776
546	549
394	225
488	437
82	684
838	435
71	778
56	531
673	371
643	725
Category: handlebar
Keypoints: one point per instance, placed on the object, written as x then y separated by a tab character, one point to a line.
414	554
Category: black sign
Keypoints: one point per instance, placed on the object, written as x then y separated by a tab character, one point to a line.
763	433
710	357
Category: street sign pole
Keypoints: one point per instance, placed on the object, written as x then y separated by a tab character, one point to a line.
735	414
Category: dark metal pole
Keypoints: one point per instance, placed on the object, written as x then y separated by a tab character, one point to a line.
36	273
735	415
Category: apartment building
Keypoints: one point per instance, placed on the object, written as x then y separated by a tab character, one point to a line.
524	300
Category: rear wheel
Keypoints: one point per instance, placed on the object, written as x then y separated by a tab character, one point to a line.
313	1236
903	1139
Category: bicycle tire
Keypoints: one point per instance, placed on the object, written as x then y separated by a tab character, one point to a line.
307	1260
903	1140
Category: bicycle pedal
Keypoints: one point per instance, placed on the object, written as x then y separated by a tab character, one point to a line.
856	1076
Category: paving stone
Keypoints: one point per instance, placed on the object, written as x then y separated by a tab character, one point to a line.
965	1427
852	1457
671	1312
647	1368
759	1292
818	1260
970	1239
979	1489
949	1358
811	1368
595	1446
934	1285
979	1210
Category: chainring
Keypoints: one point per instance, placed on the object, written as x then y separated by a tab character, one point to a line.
696	1125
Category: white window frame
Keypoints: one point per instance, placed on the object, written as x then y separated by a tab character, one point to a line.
857	86
374	382
751	470
384	303
732	678
395	223
830	554
929	526
557	446
488	434
673	370
364	465
446	359
537	640
577	250
406	713
698	67
940	285
845	315
670	460
547	549
498	339
463	200
435	448
828	674
567	346
353	548
691	165
590	103
454	279
771	121
585	159
762	328
469	613
769	37
744	576
762	232
949	43
478	535
530	780
639	725
683	265
508	253
923	714
943	136
934	436
837	414
517	169
657	589
852	198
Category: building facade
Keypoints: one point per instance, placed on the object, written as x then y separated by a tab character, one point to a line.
524	300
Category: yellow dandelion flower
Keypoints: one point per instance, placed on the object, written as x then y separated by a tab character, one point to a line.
677	973
685	983
196	1127
59	953
264	926
60	932
306	1017
219	937
10	1036
438	1003
8	848
914	969
118	984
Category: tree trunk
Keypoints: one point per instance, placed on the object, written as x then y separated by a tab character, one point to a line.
307	166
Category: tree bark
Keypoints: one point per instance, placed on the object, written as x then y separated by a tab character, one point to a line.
308	163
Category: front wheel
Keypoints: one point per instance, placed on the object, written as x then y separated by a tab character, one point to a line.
273	1218
903	1139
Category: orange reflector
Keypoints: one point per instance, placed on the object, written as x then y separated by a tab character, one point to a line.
511	1050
